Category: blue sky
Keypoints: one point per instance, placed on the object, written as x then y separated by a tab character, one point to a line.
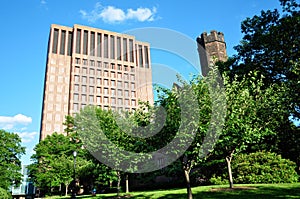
25	30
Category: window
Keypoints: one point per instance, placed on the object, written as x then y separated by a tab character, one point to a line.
112	66
120	92
126	93
98	81
105	73
132	77
83	88
99	45
119	67
91	99
140	56
98	90
60	79
76	78
57	107
78	41
52	69
120	101
113	83
119	75
98	72
126	68
113	92
92	80
92	63
131	69
92	44
146	56
83	79
105	91
59	88
132	93
84	71
126	76
62	42
83	98
119	84
76	98
99	64
113	100
51	87
131	50
126	102
105	46
75	107
70	38
77	69
92	71
112	47
85	42
113	74
85	62
106	82
119	48
91	90
133	102
132	86
125	58
55	41
126	85
77	60
105	100
76	88
98	99
105	65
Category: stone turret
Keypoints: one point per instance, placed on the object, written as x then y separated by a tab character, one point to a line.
211	47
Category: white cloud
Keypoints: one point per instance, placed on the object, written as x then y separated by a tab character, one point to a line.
27	136
7	122
43	2
111	14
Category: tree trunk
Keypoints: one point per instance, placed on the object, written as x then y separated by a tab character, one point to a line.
228	160
119	182
127	184
188	183
66	191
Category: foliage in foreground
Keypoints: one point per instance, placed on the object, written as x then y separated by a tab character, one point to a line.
4	194
264	167
10	154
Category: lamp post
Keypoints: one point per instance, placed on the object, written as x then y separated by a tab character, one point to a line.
74	177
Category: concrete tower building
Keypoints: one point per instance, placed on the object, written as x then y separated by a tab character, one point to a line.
86	66
211	46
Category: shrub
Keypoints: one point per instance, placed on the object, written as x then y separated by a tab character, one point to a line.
263	167
218	180
4	194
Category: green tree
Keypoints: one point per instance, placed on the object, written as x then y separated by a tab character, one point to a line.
195	115
253	115
53	161
270	46
10	163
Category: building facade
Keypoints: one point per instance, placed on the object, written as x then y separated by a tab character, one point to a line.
211	46
90	66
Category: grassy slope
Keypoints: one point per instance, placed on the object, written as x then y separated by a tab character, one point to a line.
256	191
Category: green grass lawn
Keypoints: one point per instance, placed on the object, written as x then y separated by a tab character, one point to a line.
255	191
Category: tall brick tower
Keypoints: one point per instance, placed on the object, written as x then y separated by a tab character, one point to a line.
211	46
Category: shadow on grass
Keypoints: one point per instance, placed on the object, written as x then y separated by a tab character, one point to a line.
247	192
256	193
